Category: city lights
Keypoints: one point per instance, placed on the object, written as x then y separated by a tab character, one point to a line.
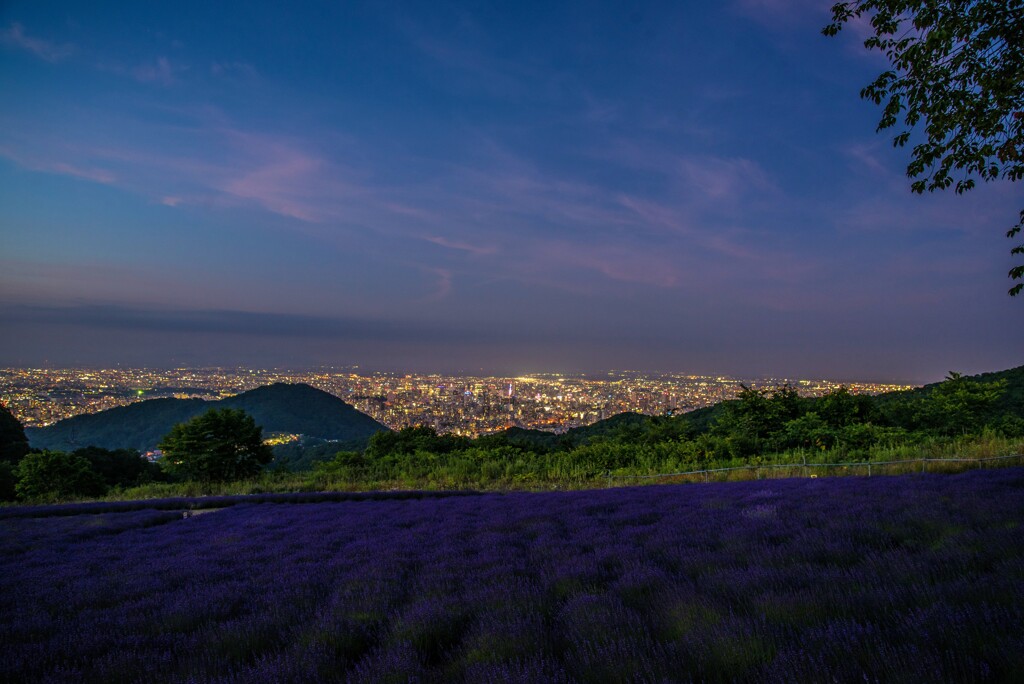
464	405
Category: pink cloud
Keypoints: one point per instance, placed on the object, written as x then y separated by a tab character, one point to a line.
656	214
46	165
552	260
708	178
443	286
97	175
14	36
406	210
864	155
720	178
461	246
277	182
675	222
279	175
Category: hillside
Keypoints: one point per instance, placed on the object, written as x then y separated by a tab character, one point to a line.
639	427
296	409
620	426
1011	401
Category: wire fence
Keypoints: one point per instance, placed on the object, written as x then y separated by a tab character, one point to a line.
805	469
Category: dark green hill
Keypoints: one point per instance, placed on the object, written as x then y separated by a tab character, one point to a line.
1010	402
136	426
550	441
1014	380
622	427
888	409
296	409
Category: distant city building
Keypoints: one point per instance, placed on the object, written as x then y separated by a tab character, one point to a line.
464	405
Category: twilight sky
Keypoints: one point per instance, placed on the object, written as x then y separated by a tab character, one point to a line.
512	187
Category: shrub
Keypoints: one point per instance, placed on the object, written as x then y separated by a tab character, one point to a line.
57	475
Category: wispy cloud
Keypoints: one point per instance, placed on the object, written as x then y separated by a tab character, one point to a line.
277	180
866	158
443	284
47	164
461	246
161	72
97	175
240	71
618	262
722	178
550	226
14	36
463	53
217	166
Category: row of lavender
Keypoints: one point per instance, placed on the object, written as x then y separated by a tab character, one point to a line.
914	578
191	503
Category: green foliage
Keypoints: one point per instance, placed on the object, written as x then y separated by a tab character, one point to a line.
840	408
120	467
306	453
13	443
756	420
960	405
347	465
57	475
958	67
412	439
861	437
1010	426
761	426
809	431
969	417
219	445
8	482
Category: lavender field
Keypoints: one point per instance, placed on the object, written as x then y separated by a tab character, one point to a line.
910	578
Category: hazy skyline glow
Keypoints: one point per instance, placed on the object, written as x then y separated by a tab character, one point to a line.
516	188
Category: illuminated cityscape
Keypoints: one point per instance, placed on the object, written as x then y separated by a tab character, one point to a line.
466	405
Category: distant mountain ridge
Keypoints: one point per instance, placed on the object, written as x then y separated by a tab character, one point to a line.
291	408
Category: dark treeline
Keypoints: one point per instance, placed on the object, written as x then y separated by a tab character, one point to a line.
760	427
961	415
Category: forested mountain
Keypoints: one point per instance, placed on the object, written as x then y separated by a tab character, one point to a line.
296	409
1011	400
911	409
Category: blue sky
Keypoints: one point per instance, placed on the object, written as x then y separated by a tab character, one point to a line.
510	187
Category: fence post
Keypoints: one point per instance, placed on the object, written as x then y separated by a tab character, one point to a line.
869	469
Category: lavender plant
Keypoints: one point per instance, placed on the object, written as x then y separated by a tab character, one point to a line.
911	578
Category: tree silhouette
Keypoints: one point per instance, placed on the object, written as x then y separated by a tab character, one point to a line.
219	445
13	443
958	69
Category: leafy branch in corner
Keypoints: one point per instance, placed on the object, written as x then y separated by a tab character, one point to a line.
958	71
